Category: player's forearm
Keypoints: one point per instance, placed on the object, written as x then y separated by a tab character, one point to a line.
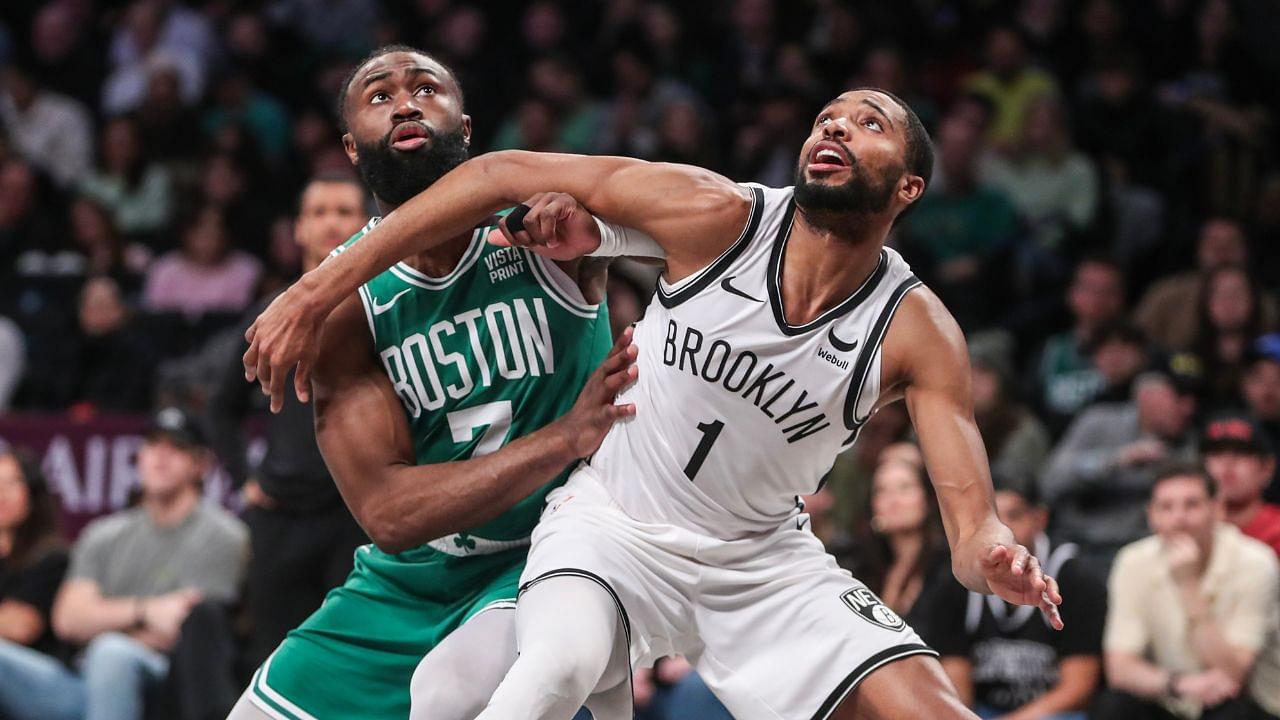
420	503
1132	674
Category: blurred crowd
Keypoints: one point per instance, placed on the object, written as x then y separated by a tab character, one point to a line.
1102	222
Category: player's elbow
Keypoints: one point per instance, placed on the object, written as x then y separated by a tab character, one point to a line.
387	531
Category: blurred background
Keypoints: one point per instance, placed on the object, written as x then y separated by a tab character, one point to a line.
1103	222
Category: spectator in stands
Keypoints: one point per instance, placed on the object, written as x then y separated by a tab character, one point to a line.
164	121
1053	185
1006	661
94	236
1260	387
1193	610
963	230
1230	315
147	580
138	192
1240	458
238	100
1119	352
302	535
1066	379
902	548
152	34
1162	312
105	362
559	83
1099	475
28	222
1011	84
1017	443
52	132
32	564
206	274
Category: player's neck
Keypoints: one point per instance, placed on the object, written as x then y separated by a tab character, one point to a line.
440	260
823	265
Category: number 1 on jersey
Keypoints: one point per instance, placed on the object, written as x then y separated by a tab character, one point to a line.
710	431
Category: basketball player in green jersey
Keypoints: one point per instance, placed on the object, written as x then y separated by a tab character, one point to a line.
445	410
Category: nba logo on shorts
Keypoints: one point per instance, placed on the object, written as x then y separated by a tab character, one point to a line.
865	603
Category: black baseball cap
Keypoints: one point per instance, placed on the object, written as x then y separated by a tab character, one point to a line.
177	426
1234	431
1183	371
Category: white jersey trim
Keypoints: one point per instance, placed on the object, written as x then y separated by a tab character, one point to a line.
561	287
672	294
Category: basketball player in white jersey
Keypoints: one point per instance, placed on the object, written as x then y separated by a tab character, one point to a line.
781	324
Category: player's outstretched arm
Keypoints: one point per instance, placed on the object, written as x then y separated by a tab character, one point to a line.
692	213
366	443
928	349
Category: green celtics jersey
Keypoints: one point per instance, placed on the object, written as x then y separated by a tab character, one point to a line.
493	351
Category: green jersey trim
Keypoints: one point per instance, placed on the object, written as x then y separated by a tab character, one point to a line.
417	278
272	702
545	272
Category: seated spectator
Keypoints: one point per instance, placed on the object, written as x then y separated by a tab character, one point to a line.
1066	379
32	564
1162	312
1230	317
1119	352
1017	443
206	274
1099	475
1053	185
1192	618
137	191
962	230
1006	661
51	131
1010	82
903	550
557	81
140	580
1241	460
1260	387
94	236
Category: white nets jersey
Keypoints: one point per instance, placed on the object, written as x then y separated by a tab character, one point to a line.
738	411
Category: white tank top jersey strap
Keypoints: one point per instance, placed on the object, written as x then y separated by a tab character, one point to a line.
738	411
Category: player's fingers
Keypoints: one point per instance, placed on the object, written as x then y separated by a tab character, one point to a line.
302	381
996	555
263	371
509	235
1051	612
1019	561
496	237
1052	590
618	380
251	333
1035	574
622	411
250	360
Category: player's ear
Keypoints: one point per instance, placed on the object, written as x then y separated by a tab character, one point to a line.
349	147
911	189
466	130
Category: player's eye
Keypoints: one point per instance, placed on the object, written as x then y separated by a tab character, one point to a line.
824	120
379	97
873	124
426	90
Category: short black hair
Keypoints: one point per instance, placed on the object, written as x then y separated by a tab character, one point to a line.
919	152
377	53
1027	489
336	176
1180	469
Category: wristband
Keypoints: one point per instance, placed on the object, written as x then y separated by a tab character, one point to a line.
616	241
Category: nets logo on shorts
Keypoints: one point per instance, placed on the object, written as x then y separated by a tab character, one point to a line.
865	603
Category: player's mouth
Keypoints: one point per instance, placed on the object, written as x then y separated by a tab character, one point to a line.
827	157
409	136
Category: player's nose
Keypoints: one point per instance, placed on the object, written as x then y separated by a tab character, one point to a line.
837	129
406	108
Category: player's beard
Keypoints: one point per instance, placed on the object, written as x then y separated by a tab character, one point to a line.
859	195
394	176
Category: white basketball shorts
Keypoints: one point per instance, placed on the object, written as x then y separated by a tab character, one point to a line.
776	629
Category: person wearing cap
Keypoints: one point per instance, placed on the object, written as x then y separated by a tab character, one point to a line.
33	562
1193	619
138	577
1260	388
1097	478
1241	460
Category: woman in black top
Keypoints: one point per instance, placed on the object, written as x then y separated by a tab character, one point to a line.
33	558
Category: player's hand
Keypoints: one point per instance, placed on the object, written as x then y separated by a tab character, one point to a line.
556	226
286	336
591	417
1014	574
1210	688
